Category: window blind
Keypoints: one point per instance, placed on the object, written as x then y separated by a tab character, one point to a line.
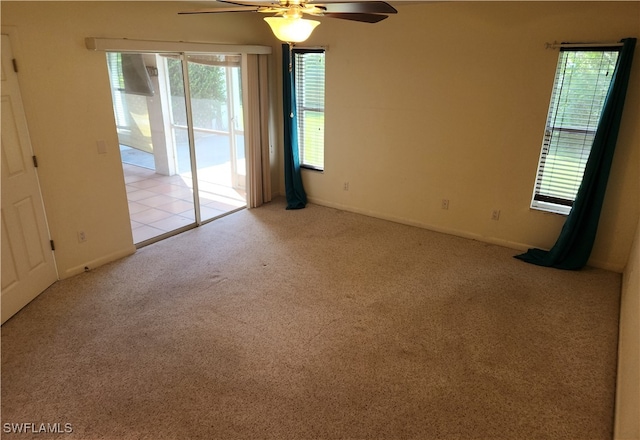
309	80
581	84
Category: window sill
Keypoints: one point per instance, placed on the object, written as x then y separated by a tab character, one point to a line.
309	168
550	207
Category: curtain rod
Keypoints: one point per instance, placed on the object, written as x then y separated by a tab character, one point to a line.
556	45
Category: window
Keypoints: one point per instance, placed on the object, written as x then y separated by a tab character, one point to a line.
582	80
309	83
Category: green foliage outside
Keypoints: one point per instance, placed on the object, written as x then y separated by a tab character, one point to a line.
205	82
208	94
583	75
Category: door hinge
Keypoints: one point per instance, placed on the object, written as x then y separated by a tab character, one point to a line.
15	65
35	161
53	247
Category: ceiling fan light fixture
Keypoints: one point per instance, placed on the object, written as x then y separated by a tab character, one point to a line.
291	29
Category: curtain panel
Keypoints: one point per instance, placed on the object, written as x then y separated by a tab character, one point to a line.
294	190
257	131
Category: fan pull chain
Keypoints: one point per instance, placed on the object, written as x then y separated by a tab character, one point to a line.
290	57
291	115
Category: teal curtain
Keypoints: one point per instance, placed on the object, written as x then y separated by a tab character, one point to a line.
573	247
296	196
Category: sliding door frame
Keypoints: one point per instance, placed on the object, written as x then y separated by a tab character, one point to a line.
183	49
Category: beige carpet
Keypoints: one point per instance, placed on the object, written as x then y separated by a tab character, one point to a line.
316	324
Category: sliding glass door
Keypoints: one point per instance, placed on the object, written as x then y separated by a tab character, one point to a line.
181	135
216	108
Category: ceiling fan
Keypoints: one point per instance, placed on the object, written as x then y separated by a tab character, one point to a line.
288	25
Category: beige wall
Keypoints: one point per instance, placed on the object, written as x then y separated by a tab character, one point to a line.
627	425
67	101
448	100
627	421
444	100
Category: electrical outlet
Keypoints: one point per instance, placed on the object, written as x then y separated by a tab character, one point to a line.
345	186
445	204
495	214
102	146
82	236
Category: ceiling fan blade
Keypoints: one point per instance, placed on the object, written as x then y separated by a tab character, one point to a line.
255	4
365	7
218	10
239	6
364	18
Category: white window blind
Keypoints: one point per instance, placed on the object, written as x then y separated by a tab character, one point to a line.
309	82
581	84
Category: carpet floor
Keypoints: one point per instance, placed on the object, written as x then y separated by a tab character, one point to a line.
315	324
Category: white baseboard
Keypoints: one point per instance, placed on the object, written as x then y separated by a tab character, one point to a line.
88	265
451	231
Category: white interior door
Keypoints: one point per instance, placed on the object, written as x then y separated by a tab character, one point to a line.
28	265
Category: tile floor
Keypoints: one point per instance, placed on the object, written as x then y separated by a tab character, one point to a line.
159	204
